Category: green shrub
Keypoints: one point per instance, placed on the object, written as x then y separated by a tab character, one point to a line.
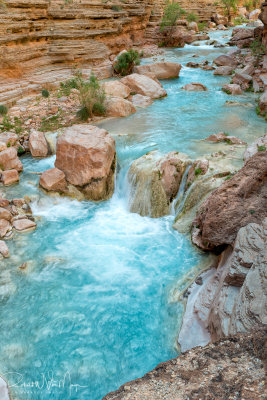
192	17
257	48
91	96
20	150
172	12
126	62
45	93
3	109
230	6
65	87
202	25
261	148
198	171
6	124
116	8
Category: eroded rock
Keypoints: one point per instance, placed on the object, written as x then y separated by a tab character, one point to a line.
162	70
53	180
142	84
38	144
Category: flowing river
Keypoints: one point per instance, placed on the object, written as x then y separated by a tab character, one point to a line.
96	306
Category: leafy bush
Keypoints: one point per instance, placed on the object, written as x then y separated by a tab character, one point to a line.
3	110
172	12
192	17
116	8
202	25
198	171
65	87
257	48
91	96
229	7
261	148
126	62
45	93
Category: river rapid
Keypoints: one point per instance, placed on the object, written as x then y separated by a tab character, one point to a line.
96	306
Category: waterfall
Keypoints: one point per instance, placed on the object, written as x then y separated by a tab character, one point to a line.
181	192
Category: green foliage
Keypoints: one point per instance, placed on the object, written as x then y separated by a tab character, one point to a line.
202	25
3	109
116	8
198	171
172	12
126	62
50	124
20	150
257	48
6	124
261	148
229	7
192	17
65	87
252	212
45	93
91	96
240	20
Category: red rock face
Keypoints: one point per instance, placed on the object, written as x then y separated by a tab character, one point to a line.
86	154
38	145
10	160
238	202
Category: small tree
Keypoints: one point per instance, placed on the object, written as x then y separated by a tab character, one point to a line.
91	96
126	62
172	12
229	6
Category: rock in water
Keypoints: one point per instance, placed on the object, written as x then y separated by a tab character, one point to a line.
142	84
86	154
162	70
53	180
237	202
154	182
195	87
38	145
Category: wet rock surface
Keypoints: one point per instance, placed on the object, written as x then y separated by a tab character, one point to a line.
228	369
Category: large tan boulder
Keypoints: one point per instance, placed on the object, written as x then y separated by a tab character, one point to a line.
225	60
142	84
38	144
53	180
119	107
254	15
86	154
9	160
9	138
24	225
4	252
162	70
232	88
4	227
116	89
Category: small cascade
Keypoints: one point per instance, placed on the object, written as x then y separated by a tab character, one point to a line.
181	192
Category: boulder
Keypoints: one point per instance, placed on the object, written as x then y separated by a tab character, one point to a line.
4	227
142	84
4	251
24	225
154	182
222	137
86	154
9	160
237	202
191	64
242	79
219	19
162	70
141	101
38	144
262	103
9	177
242	37
193	26
260	144
225	60
53	180
254	15
119	107
223	70
9	138
232	88
195	87
5	214
116	89
221	27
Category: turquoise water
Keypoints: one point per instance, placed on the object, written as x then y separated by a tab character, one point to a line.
94	308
